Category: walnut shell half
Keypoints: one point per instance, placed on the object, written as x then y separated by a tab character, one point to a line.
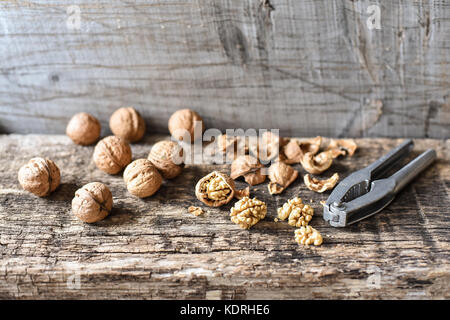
317	164
167	156
342	147
320	185
281	176
39	176
215	189
297	148
142	178
249	167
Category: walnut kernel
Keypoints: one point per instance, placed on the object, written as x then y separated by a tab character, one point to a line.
320	185
39	176
281	176
92	202
307	235
247	212
127	124
185	121
83	128
142	178
112	154
215	189
167	157
298	213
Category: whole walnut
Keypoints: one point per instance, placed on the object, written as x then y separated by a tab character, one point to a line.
127	124
112	154
185	121
83	129
92	202
167	157
142	178
39	176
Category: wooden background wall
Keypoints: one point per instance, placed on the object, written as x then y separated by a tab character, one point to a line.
306	67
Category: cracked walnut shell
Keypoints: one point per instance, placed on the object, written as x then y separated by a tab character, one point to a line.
83	128
297	148
320	185
142	178
167	157
127	124
316	164
342	147
298	213
247	212
215	189
39	176
308	235
186	121
249	167
112	154
281	176
92	202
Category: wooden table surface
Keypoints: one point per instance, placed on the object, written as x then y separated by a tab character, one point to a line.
154	249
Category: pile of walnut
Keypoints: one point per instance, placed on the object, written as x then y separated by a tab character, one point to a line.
143	177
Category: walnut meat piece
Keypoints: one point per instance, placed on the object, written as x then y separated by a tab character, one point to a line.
308	235
320	185
127	124
167	157
247	212
39	176
249	167
185	121
281	176
112	154
215	189
298	213
92	202
142	178
317	164
83	128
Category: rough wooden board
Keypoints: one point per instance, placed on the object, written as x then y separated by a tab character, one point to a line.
155	249
307	67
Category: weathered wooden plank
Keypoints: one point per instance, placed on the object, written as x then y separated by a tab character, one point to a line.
305	67
154	248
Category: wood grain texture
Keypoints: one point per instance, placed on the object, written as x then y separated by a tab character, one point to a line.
154	249
305	67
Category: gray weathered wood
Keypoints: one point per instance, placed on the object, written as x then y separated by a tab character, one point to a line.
153	248
306	67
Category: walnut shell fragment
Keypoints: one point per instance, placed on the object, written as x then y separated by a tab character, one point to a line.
127	124
249	167
247	212
142	178
39	176
281	176
342	147
297	148
196	211
92	202
112	154
316	164
318	185
307	235
183	122
167	157
239	194
215	189
267	147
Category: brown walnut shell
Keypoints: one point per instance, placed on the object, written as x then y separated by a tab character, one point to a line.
39	176
112	154
167	157
281	176
249	167
267	147
317	164
320	185
296	149
83	128
142	178
92	202
215	189
127	124
183	122
342	147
